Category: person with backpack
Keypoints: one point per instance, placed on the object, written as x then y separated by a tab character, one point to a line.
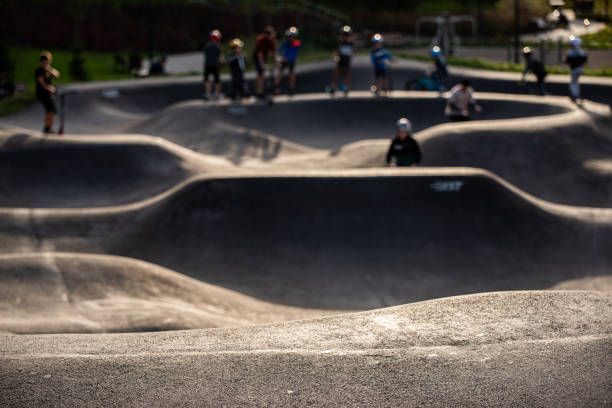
575	58
536	68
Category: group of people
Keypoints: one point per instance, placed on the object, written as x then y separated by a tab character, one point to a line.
459	103
265	46
575	58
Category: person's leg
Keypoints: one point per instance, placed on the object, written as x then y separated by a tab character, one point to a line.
49	120
259	82
206	82
347	79
291	77
335	77
217	82
574	84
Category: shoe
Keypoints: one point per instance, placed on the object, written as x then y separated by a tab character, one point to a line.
277	91
206	96
291	92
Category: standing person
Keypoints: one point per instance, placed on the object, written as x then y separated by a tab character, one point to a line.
265	44
380	56
213	58
287	56
536	67
440	72
404	150
236	62
343	55
45	92
460	100
575	58
158	66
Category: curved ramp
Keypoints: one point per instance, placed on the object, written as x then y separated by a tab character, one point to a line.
71	292
356	240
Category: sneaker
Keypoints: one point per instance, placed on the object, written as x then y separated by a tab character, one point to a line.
206	96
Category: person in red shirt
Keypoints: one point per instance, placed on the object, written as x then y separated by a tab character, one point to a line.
264	46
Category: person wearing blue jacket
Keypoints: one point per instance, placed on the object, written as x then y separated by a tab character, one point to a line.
287	55
575	58
380	56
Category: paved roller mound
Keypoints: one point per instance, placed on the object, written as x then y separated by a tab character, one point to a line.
360	240
541	349
160	212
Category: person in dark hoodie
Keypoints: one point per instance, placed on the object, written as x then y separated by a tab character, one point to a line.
404	150
236	62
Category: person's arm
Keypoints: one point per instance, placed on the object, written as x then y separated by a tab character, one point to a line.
389	153
389	57
417	152
473	102
54	72
45	85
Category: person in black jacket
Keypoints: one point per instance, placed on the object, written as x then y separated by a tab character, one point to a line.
404	150
536	67
236	62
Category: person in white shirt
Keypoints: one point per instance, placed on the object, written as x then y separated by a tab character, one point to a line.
460	101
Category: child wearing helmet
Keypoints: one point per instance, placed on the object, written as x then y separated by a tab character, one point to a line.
265	44
575	58
236	62
440	72
379	57
536	67
460	101
404	150
287	55
343	55
45	92
213	58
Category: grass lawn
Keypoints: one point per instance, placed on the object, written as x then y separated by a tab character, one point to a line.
99	67
501	66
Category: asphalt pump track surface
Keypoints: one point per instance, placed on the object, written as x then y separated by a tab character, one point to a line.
306	273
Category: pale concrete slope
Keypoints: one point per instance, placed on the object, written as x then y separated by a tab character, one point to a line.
564	158
76	293
357	239
494	349
92	171
317	121
212	129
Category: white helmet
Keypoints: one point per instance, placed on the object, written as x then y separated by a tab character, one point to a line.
403	124
575	42
292	32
